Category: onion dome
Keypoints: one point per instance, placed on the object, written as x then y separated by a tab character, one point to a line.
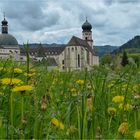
7	39
86	26
4	22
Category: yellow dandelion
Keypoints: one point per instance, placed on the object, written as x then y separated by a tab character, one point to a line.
118	99
17	70
80	82
125	106
123	128
57	123
137	135
11	81
30	74
74	92
22	88
112	111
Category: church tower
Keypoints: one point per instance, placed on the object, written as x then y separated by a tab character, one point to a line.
87	33
4	26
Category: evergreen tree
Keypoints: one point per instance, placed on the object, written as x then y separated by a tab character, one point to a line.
106	59
124	61
40	51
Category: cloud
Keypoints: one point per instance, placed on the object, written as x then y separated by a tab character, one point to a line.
114	21
30	14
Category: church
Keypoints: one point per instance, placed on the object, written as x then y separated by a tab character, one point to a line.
77	54
9	47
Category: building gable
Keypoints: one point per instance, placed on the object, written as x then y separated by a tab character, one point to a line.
75	41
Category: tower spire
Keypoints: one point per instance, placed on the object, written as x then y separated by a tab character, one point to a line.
4	15
87	33
4	25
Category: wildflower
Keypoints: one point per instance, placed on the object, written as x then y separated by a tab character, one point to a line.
10	81
118	99
89	104
137	135
136	96
89	86
112	111
98	133
24	120
44	103
17	70
123	128
57	123
71	130
22	88
125	106
74	92
33	82
80	82
30	74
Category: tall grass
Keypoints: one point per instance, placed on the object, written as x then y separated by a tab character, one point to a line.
79	102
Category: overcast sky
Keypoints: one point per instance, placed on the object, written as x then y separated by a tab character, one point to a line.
114	22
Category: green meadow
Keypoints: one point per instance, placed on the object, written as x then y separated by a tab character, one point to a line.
98	104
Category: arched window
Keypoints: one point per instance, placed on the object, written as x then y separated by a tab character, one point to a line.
78	60
72	49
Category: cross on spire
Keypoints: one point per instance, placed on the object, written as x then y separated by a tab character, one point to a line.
4	15
86	18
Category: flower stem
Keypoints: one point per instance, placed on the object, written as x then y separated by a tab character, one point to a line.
22	107
11	113
22	113
109	124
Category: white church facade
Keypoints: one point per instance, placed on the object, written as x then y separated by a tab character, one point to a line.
77	54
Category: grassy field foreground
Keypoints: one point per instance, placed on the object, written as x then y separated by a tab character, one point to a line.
96	104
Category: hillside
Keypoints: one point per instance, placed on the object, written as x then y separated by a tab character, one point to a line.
33	45
101	50
132	46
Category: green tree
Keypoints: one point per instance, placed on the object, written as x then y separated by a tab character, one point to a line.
106	59
40	51
124	61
